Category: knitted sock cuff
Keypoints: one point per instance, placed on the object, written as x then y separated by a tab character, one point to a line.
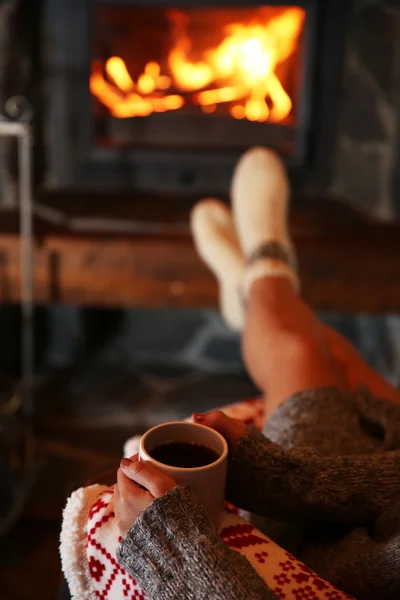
272	259
275	251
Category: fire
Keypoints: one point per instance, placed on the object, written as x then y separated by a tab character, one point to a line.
127	99
239	73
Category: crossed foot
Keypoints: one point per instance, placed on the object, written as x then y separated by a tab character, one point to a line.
252	240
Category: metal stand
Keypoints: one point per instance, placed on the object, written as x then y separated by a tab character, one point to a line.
21	131
19	482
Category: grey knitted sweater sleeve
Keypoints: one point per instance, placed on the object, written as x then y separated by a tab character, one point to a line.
174	552
266	479
300	484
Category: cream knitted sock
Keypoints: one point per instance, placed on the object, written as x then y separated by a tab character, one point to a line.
260	197
216	242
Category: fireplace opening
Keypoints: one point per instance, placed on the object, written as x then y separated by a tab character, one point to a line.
162	99
197	68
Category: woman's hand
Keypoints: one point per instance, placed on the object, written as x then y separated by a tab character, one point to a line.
231	429
138	484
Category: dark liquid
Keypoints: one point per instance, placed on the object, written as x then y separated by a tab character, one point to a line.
186	455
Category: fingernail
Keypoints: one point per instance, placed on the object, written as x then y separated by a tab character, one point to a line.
199	417
125	462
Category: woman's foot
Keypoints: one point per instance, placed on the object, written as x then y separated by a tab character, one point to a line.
216	242
260	197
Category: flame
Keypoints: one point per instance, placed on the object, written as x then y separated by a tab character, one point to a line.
240	72
118	73
187	75
131	103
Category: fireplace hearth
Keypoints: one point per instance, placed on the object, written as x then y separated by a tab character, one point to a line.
153	97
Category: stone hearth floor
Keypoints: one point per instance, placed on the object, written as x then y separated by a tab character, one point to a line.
82	421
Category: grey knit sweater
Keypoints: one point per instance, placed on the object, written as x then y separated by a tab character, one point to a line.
328	467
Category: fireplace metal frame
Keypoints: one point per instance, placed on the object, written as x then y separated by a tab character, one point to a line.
75	161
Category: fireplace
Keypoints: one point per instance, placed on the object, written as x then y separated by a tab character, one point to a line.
161	98
204	78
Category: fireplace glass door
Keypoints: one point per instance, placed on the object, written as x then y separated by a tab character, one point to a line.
197	78
162	98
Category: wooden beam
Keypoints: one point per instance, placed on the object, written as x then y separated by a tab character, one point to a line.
348	265
348	274
109	272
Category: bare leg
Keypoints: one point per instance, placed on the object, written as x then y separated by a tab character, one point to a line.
284	344
356	371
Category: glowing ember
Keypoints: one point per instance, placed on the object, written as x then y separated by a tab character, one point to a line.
239	73
118	73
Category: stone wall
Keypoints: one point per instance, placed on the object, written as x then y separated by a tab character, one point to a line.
368	159
367	170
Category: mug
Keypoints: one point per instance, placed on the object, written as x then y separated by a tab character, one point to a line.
207	482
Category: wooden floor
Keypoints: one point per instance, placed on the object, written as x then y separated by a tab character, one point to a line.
81	426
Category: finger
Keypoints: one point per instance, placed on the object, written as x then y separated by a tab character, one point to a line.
145	474
116	494
129	502
128	490
231	429
125	462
